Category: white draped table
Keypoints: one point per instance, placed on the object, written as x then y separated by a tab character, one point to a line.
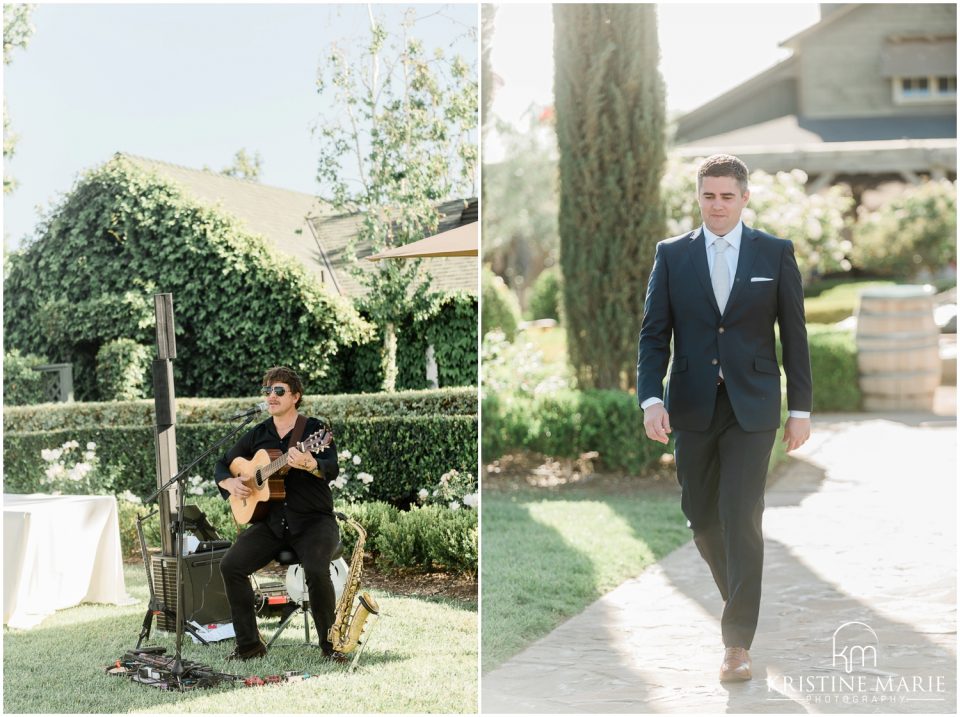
59	551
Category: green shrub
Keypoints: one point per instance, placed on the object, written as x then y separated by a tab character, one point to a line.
568	423
914	231
833	361
448	401
545	295
424	538
22	385
452	541
123	366
500	308
372	516
123	234
428	537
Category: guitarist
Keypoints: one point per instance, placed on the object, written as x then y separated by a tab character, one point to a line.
303	521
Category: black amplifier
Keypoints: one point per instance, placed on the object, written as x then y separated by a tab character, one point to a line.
204	597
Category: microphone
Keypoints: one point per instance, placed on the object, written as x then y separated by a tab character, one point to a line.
259	408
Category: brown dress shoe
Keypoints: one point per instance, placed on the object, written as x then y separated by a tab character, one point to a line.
736	665
248	653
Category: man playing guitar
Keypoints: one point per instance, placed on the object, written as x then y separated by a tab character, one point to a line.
302	520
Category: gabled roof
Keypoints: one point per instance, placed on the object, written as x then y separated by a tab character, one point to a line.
448	273
793	42
278	215
305	228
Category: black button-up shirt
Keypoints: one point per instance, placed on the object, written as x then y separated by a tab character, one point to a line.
308	496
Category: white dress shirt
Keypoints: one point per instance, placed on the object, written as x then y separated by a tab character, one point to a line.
732	255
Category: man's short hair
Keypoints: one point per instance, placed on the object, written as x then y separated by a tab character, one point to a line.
282	374
724	165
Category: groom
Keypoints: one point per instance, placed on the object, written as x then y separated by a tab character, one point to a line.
717	292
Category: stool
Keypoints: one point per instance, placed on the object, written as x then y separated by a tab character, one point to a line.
288	557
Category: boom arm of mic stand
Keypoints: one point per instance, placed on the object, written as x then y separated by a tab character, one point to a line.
179	476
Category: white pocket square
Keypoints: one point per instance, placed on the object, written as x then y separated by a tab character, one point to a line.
760	278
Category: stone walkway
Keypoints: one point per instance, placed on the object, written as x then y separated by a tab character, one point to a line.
862	528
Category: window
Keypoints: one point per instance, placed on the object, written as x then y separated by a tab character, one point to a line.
910	90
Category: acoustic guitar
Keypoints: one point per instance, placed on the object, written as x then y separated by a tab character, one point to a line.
257	474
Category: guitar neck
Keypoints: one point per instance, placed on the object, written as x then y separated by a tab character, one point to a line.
275	465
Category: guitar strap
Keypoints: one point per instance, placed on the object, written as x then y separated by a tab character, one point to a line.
295	435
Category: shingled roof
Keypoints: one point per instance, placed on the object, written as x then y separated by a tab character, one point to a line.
278	215
305	228
448	273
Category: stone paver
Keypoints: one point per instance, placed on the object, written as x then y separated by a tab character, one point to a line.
861	528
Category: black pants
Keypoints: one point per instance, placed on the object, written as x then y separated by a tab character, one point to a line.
723	474
256	547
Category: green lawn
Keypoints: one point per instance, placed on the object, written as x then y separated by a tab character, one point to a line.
548	555
422	657
835	302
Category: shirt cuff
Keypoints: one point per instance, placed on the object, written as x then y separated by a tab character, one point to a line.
650	402
798	414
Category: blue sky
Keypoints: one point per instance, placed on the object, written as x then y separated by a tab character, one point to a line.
188	84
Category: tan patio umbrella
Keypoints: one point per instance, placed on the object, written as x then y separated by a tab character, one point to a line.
461	241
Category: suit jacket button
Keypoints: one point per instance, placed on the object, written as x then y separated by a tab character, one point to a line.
721	329
714	362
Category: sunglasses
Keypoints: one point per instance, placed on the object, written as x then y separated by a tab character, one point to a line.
267	390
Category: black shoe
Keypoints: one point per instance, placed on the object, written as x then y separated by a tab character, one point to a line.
248	653
337	657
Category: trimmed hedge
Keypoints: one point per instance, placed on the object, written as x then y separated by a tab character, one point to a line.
403	453
833	361
567	423
54	416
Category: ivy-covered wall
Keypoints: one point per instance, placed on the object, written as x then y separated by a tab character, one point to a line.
124	234
451	327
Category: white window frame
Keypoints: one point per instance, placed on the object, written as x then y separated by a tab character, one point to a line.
933	96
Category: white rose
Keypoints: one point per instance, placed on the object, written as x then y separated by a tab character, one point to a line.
345	454
356	460
470	500
365	477
423	493
48	455
91	446
454	505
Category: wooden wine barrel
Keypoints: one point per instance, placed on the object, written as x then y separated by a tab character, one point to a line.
898	348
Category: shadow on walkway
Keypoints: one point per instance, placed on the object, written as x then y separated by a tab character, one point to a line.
859	529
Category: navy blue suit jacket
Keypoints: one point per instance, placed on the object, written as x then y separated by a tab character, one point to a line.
681	305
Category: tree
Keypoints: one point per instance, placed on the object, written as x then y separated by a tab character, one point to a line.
610	132
243	166
17	31
405	121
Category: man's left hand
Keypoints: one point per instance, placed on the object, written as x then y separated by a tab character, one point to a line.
796	431
303	461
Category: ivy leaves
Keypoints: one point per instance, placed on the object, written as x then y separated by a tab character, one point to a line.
124	234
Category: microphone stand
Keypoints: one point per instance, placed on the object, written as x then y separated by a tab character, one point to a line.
177	670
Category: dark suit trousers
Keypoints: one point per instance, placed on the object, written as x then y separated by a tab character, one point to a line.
255	548
723	473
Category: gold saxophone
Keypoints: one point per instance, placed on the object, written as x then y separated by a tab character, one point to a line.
348	623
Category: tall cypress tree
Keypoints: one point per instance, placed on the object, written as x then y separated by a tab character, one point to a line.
610	131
